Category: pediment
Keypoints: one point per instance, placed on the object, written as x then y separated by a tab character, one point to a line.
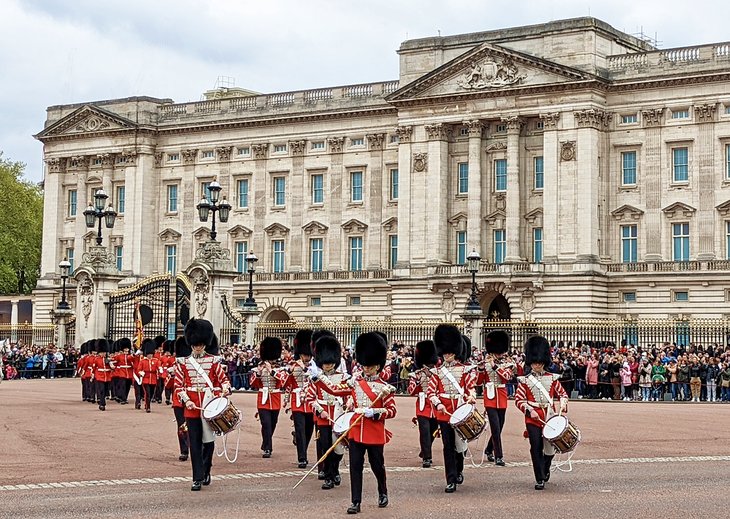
496	218
627	212
201	233
88	119
239	231
486	68
315	228
459	217
169	235
91	235
534	215
391	224
678	209
724	208
276	229
354	225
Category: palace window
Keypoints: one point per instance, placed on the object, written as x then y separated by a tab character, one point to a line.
277	247
727	240
629	241
242	191
394	183
727	161
628	168
318	145
316	250
207	154
357	141
537	245
244	151
172	198
279	148
315	301
392	250
118	254
204	191
241	252
500	175
500	245
460	247
279	191
356	186
680	114
629	297
70	258
317	189
681	295
173	157
538	164
680	164
356	253
171	258
72	193
629	119
120	199
680	241
463	178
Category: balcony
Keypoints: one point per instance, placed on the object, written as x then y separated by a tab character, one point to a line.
682	59
671	266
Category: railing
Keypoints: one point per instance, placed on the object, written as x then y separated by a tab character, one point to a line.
319	276
39	335
207	106
312	96
670	266
358	91
719	53
281	99
243	103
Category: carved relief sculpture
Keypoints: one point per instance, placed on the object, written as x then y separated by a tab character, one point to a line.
490	72
550	121
86	295
652	116
420	160
441	132
189	156
55	165
706	113
297	148
593	118
335	144
475	127
224	153
375	140
567	151
201	289
158	159
448	302
92	124
404	133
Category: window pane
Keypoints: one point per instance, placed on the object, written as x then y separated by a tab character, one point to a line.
356	186
628	160
500	174
394	184
278	255
70	258
393	250
172	199
317	189
279	191
499	245
537	245
242	193
461	247
120	199
680	164
241	252
119	253
316	248
171	254
72	202
356	253
463	178
539	173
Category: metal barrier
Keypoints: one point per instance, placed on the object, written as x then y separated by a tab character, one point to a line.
40	335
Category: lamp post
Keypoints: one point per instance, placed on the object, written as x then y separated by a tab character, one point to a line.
250	303
98	212
65	267
472	262
206	207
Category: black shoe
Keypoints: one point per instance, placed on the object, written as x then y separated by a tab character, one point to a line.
124	402
206	481
167	402
382	500
354	508
267	454
137	406
540	485
196	486
426	464
183	457
337	480
490	456
547	476
320	475
499	462
459	478
147	410
302	464
450	488
102	408
328	484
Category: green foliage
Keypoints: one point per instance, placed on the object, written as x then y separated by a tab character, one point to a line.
21	229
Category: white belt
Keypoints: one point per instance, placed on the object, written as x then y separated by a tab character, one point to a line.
200	389
271	390
450	396
326	402
120	367
100	369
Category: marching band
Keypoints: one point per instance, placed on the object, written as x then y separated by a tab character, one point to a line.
349	412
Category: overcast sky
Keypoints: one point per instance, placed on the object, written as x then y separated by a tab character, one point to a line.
71	51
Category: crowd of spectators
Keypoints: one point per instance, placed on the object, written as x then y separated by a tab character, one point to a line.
25	361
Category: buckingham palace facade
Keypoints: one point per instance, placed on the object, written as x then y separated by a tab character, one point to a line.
589	170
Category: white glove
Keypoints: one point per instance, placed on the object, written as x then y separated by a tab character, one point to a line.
368	413
314	370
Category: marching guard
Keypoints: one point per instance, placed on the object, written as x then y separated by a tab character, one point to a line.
269	382
296	385
148	371
451	385
535	398
84	370
200	378
494	374
182	350
102	372
425	358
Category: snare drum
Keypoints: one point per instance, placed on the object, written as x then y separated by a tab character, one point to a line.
468	422
561	434
342	423
221	415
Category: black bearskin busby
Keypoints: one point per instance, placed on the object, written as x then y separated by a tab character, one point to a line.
198	331
327	350
91	344
371	349
84	348
181	348
169	347
160	341
214	347
447	339
537	349
124	344
425	354
102	346
270	349
465	349
497	341
303	343
148	347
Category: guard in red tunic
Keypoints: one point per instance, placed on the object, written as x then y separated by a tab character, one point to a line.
199	380
148	370
451	385
494	373
102	372
269	381
160	341
123	363
84	372
182	350
167	367
296	386
425	358
535	397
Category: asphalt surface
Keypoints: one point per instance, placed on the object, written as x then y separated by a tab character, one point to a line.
64	458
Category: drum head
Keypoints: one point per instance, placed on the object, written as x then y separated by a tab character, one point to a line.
215	407
554	427
342	423
461	413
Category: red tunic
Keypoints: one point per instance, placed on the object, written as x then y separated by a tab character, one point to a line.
498	375
321	397
83	367
296	385
102	370
418	386
175	397
529	396
148	370
442	391
189	385
265	382
168	372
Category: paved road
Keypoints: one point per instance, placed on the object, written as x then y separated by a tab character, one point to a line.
64	458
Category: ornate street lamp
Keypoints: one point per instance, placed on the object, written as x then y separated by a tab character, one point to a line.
206	207
251	259
97	212
65	267
472	265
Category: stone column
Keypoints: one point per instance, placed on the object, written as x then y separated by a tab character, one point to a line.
550	194
705	115
374	200
437	195
652	173
55	211
260	202
404	196
14	320
514	210
82	202
334	206
300	197
474	222
142	186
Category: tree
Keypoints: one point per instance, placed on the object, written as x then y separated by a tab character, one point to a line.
21	229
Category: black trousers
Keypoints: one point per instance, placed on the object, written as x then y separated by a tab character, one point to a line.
540	462
269	419
453	461
168	395
149	390
427	427
181	438
201	454
159	388
102	388
496	424
357	461
123	389
88	391
318	445
137	394
303	429
331	464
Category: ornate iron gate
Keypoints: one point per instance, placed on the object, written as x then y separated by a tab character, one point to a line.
233	330
154	292
182	302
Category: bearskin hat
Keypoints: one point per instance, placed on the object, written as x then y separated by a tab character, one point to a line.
425	354
382	334
160	341
198	331
148	347
317	334
213	348
124	344
84	348
270	348
537	349
497	341
303	342
465	349
169	347
371	349
102	345
327	350
181	347
114	347
447	339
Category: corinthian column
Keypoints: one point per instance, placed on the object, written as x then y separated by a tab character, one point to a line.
513	253
474	225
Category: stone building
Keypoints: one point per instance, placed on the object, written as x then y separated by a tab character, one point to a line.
590	171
